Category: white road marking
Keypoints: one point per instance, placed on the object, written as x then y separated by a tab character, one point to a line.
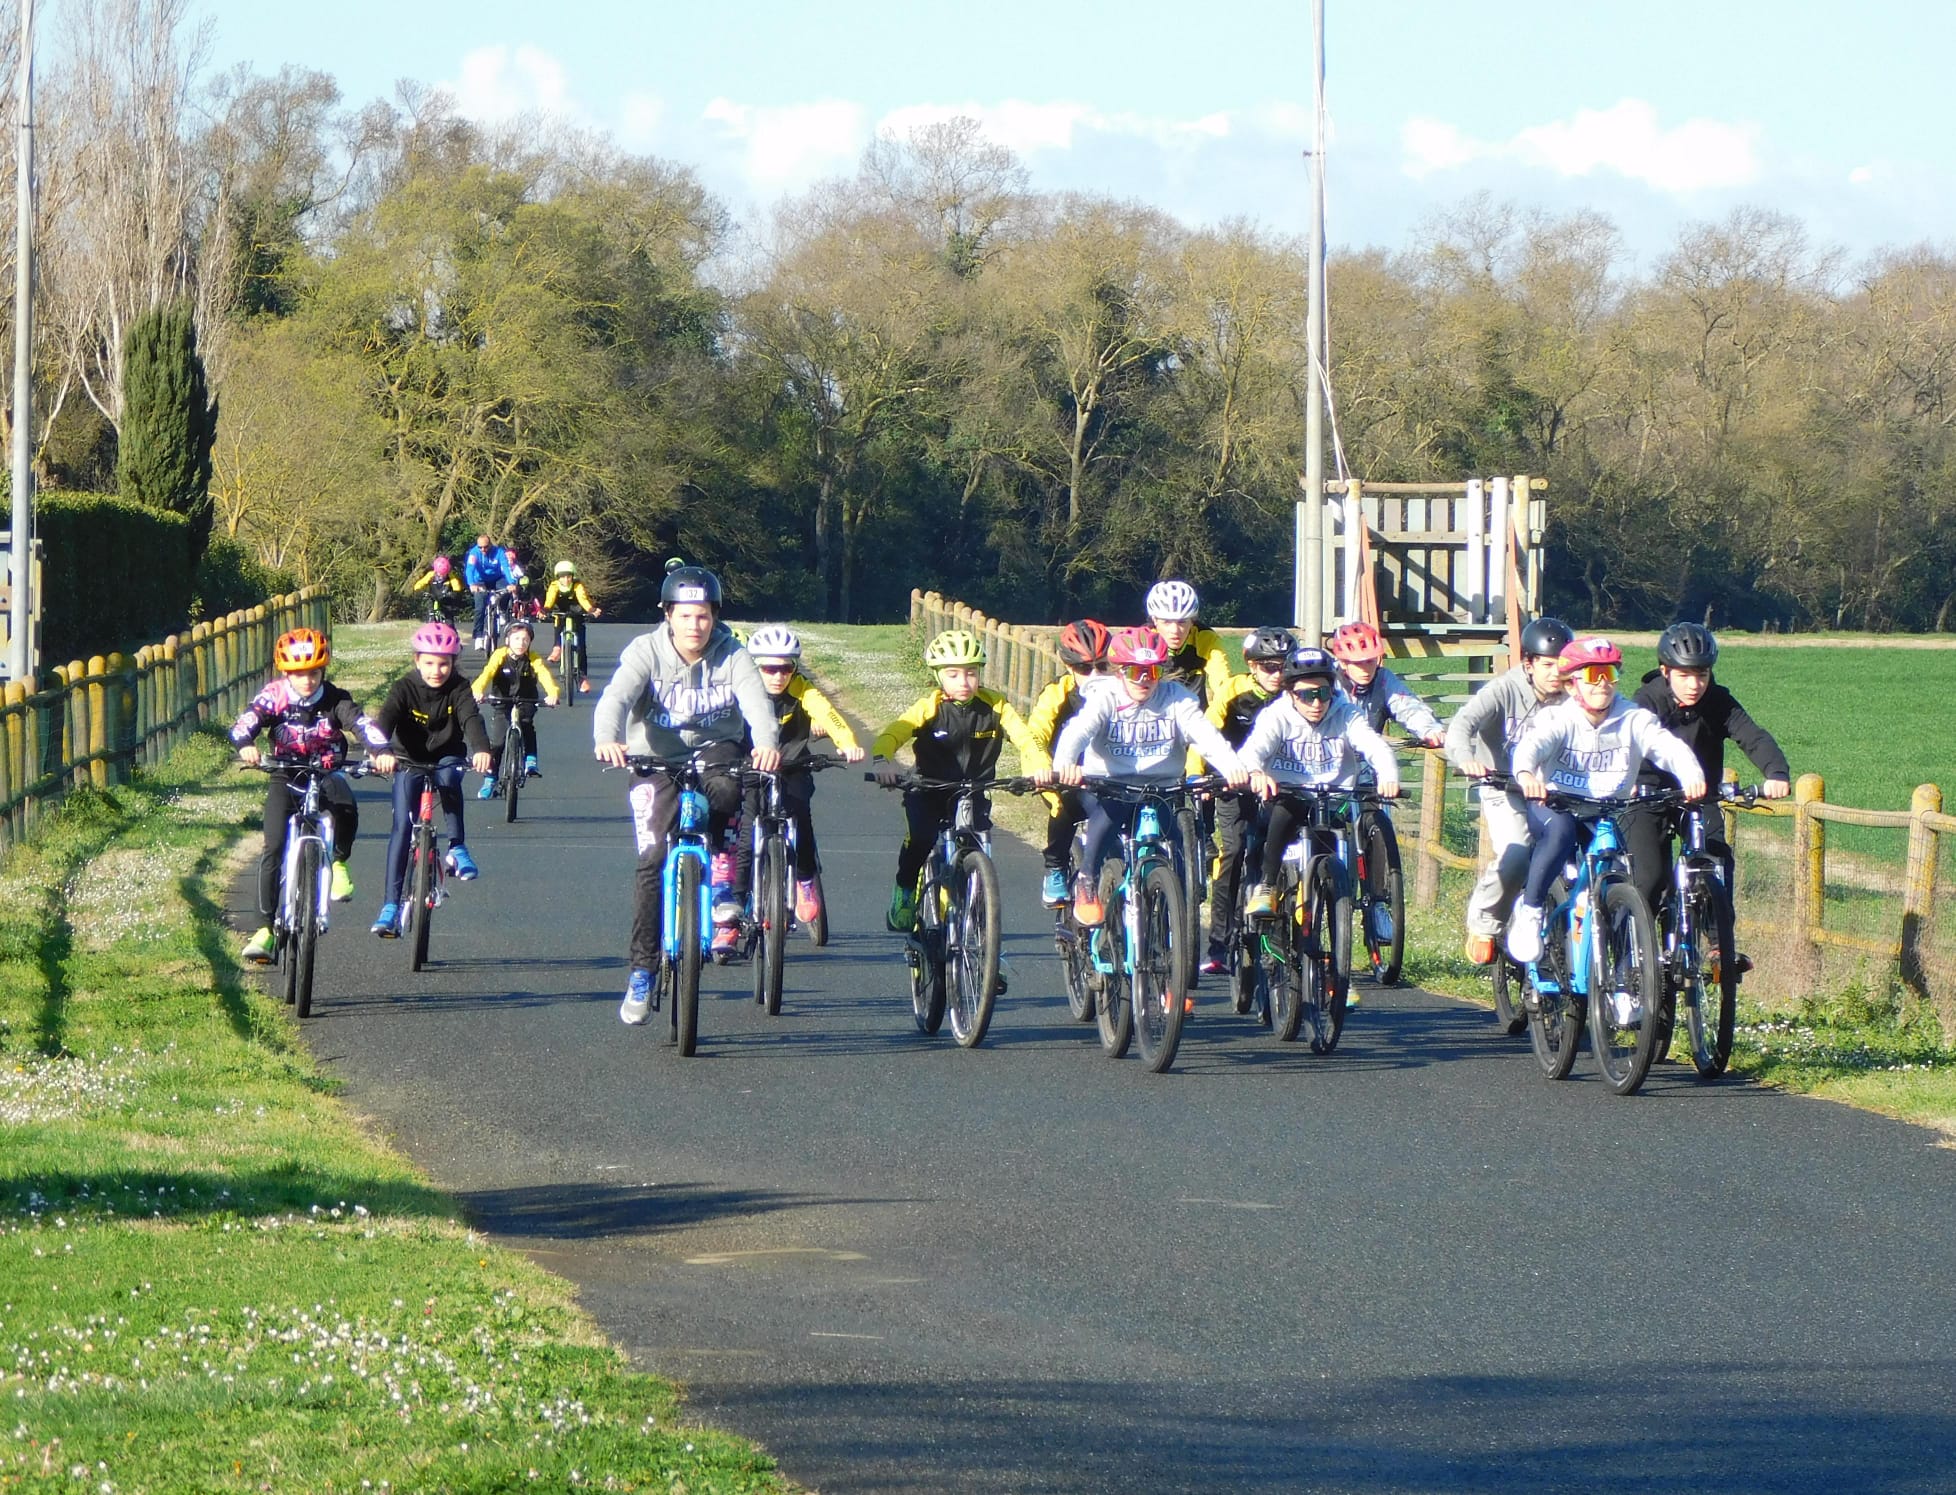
1229	1203
728	1258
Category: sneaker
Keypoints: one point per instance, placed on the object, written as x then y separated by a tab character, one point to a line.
1480	949
1216	962
342	891
556	656
1088	910
487	791
726	908
638	997
1052	891
584	685
1262	902
260	948
902	917
1741	963
387	923
1626	1008
461	865
1525	933
726	940
476	642
808	900
530	768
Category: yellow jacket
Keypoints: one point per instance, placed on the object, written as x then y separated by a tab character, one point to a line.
802	712
571	591
961	739
427	577
500	677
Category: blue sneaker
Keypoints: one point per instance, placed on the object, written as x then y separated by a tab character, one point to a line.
387	923
638	997
1053	891
487	791
530	767
461	866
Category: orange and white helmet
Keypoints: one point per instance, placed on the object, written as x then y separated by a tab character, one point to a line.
301	649
1356	643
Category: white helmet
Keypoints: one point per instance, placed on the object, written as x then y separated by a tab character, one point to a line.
772	641
1173	600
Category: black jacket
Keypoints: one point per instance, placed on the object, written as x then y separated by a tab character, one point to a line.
428	724
1706	726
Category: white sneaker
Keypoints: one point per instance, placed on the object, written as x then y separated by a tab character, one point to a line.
638	998
1525	933
725	910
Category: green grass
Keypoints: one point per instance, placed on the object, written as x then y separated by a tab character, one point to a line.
211	1277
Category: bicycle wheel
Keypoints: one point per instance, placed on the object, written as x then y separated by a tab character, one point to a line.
1712	995
971	964
1114	1010
1510	980
1071	942
1281	964
1327	968
1163	956
288	967
771	944
512	774
1385	897
305	931
573	670
926	983
1189	869
1625	989
421	904
686	963
818	931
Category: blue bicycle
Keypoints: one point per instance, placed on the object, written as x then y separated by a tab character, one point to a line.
687	894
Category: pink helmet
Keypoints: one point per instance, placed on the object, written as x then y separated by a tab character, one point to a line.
1356	643
1138	646
443	565
435	638
1580	654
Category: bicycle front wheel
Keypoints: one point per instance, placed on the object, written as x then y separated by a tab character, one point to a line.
771	947
512	774
1071	941
1114	1009
972	959
421	904
686	963
1282	963
1509	983
573	670
1162	958
1625	989
304	937
1190	869
1328	965
1713	993
1385	898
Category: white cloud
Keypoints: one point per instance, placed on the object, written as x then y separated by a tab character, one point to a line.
500	82
792	145
1027	129
1625	139
639	118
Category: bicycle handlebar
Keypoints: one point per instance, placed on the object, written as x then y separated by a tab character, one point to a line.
358	768
493	700
1022	784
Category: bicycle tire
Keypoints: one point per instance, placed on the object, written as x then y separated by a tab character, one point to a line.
1071	942
1328	988
288	968
1114	1008
573	671
1281	965
818	931
422	897
1555	1019
512	772
926	985
1162	965
1189	869
1624	960
771	947
1509	979
305	933
1712	1004
972	969
686	959
1385	883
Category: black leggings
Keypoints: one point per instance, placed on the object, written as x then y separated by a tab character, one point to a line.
498	725
1286	815
927	812
280	799
797	792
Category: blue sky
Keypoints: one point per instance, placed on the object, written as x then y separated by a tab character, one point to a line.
1658	114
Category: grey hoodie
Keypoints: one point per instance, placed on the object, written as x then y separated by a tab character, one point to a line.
660	706
1487	728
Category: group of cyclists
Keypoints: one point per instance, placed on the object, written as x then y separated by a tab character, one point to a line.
496	589
1147	705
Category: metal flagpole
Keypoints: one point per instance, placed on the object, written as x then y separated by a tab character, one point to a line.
1308	605
20	656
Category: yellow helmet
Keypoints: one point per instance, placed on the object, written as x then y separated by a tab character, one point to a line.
955	646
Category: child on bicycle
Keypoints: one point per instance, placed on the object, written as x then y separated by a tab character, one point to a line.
514	673
685	688
1083	650
801	713
957	731
306	716
429	716
1480	740
1591	744
447	597
1195	653
1143	732
1313	737
1376	690
1234	713
566	595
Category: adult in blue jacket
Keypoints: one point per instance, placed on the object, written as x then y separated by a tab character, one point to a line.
487	570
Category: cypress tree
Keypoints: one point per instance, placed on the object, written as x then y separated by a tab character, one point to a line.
169	421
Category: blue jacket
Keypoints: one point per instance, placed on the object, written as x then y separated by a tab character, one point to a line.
491	570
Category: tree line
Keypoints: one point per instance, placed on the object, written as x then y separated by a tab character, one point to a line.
930	374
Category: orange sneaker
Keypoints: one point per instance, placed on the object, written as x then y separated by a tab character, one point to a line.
1088	910
1480	949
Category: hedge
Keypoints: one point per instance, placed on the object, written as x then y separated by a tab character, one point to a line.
116	574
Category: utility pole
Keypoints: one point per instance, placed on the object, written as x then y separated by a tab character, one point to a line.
1308	604
20	652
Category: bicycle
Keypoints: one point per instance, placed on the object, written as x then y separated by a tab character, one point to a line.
686	891
1143	954
570	654
305	877
1300	957
956	940
770	917
425	885
512	772
496	617
1695	925
1194	827
1370	848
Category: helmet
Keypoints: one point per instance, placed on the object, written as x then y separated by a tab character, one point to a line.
1356	643
1083	643
1267	645
442	566
565	568
1138	646
690	584
1174	601
1307	663
772	641
301	649
435	638
1546	636
1687	646
523	623
955	647
1588	650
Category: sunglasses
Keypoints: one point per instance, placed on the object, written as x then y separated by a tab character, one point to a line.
776	669
1597	674
1311	692
1139	672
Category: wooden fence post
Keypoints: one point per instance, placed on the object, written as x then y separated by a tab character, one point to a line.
1432	816
1919	890
1809	873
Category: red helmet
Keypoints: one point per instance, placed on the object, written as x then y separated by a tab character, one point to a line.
1356	643
1083	643
1590	649
442	566
301	649
1138	646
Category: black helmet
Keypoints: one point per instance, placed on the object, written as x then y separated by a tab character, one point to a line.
1262	645
1302	664
690	584
1687	646
1546	636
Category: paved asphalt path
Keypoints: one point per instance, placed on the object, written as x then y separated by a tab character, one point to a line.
1413	1265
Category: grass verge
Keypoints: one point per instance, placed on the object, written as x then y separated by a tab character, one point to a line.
211	1278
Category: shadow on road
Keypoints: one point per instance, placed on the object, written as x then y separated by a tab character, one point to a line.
587	1212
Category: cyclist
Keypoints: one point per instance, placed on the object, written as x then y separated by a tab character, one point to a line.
566	594
1685	698
521	603
307	717
802	713
486	569
514	673
685	688
449	596
1195	653
1142	731
1591	744
1314	737
1083	650
1375	689
1233	713
956	731
429	716
1480	740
